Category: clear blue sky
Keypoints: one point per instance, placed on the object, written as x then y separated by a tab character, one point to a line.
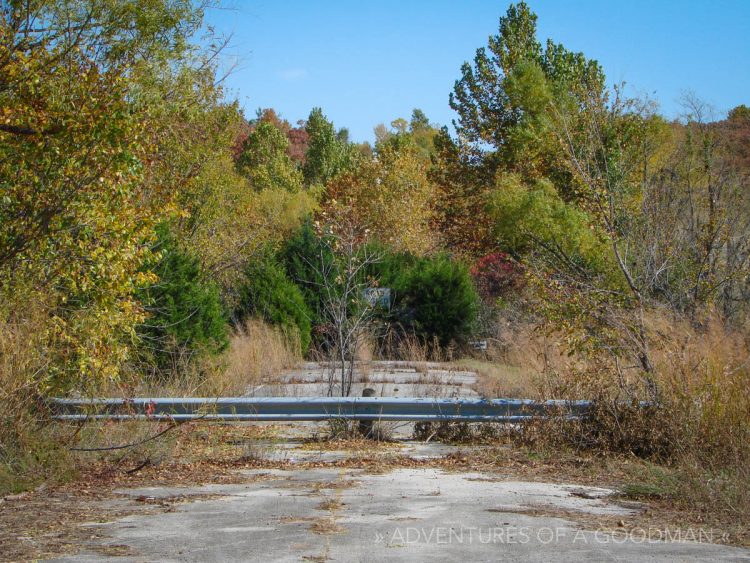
369	62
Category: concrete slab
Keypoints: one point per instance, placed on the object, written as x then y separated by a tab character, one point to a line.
375	375
407	515
389	379
441	390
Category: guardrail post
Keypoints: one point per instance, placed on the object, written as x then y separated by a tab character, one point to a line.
365	426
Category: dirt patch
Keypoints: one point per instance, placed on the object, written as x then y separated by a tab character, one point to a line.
331	505
350	445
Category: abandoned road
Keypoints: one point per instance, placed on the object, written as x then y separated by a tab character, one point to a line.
308	499
404	515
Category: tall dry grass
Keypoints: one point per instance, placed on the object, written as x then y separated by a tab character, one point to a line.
257	353
31	450
705	381
34	449
698	432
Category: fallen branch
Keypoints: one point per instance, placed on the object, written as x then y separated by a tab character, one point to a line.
131	445
139	466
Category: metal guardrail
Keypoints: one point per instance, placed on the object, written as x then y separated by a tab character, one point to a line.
316	408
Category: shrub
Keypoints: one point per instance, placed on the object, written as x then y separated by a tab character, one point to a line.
437	299
496	275
393	268
304	256
269	294
186	312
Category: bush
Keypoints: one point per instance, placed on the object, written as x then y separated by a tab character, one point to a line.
496	275
269	294
303	258
394	268
436	299
186	311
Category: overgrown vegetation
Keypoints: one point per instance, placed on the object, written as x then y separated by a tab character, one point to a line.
268	294
153	238
186	315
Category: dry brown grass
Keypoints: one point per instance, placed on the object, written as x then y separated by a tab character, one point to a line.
33	451
400	345
705	378
30	450
495	380
257	353
697	438
331	505
326	526
698	433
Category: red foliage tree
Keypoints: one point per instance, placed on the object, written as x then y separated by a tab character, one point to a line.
496	275
297	136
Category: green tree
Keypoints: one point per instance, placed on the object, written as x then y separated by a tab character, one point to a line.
269	294
418	120
185	311
305	255
739	113
504	99
438	300
82	178
264	160
533	218
328	153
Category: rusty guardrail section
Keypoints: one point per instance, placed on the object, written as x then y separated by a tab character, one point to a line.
316	408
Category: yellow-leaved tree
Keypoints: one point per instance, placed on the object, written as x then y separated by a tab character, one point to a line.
390	196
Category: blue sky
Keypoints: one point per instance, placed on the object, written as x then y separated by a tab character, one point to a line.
366	63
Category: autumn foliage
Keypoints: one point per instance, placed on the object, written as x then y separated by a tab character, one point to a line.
142	212
496	275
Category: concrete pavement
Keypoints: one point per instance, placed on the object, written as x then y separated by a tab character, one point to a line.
405	515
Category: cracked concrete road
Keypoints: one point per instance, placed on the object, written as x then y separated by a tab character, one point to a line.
404	515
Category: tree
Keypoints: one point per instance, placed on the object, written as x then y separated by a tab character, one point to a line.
694	228
739	113
297	136
496	275
418	132
269	294
390	197
607	143
305	255
327	153
419	120
338	273
461	219
265	162
503	99
186	316
83	183
224	220
438	300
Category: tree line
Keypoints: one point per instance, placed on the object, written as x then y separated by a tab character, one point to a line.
141	213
